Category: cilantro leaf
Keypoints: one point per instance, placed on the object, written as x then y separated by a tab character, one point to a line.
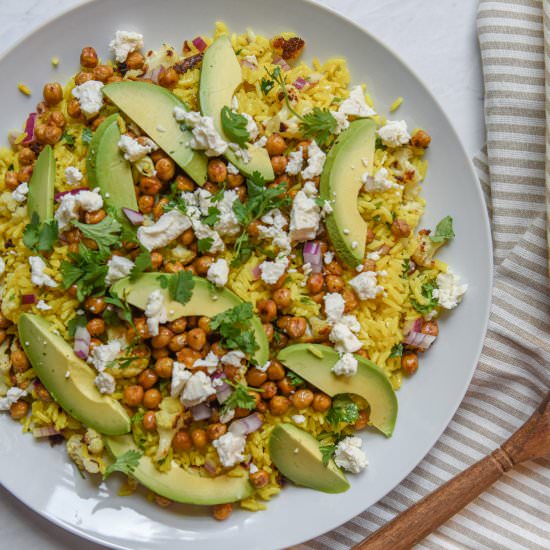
68	139
240	398
142	263
138	417
75	322
396	351
204	245
48	235
125	311
443	231
327	452
379	144
318	124
430	302
180	285
343	409
234	126
266	85
125	463
40	237
234	326
294	379
86	136
31	233
105	234
213	216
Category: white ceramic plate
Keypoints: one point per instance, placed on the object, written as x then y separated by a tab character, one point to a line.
427	401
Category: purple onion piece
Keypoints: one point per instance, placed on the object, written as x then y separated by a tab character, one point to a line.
201	411
199	43
29	128
75	191
27	299
246	425
134	217
312	255
82	340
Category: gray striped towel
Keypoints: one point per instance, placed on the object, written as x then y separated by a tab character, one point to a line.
513	373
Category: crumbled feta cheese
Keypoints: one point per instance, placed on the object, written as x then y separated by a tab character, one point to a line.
273	224
251	127
105	383
89	96
253	468
298	418
373	256
73	175
449	292
334	306
233	358
227	224
155	312
218	272
342	122
260	142
232	169
19	194
343	338
211	362
355	104
13	395
118	268
264	367
326	209
328	257
305	217
394	133
310	190
271	272
251	59
180	376
230	449
167	228
315	161
295	162
227	416
240	152
104	354
380	182
2	266
345	366
198	388
307	269
124	43
202	231
70	206
205	136
136	149
43	306
366	285
350	456
38	277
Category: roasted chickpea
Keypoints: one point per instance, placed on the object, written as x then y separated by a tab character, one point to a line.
214	431
334	268
363	420
370	235
302	398
73	108
187	237
211	187
178	342
82	77
19	361
202	265
88	57
163	502
275	371
162	339
57	118
11	180
102	73
179	325
259	479
184	183
217	171
278	164
285	387
230	371
94	217
296	327
160	352
148	378
304	146
96	326
146	204
52	134
25	173
150	185
182	441
255	377
400	228
163	367
234	180
3	335
53	93
151	398
196	338
4	321
168	78
188	356
141	327
321	402
275	145
166	169
335	283
267	309
315	283
282	297
222	511
150	421
269	331
156	260
41	392
135	60
133	395
95	305
421	139
241	193
199	437
173	267
409	363
278	405
19	410
350	299
269	390
430	328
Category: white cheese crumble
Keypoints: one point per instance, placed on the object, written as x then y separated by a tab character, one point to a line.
251	127
295	162
180	376
218	273
328	257
366	285
38	277
211	362
232	169
205	136
198	388
233	358
305	217
118	268
89	96
135	150
345	366
19	194
315	161
342	122
105	383
167	228
73	175
71	204
271	272
449	292
334	306
350	456
104	354
124	43
355	104
380	182
343	337
13	395
155	312
230	448
298	418
394	133
43	306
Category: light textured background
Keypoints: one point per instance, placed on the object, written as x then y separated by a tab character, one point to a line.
437	39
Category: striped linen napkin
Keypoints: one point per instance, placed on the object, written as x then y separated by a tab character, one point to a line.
513	373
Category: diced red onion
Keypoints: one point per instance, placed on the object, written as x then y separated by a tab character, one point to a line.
199	43
246	425
249	64
134	217
312	255
277	60
201	411
153	74
300	83
27	299
256	272
46	431
82	340
419	340
29	128
210	466
75	191
223	392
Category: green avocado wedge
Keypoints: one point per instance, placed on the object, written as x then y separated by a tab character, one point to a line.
52	358
41	186
205	300
181	485
297	456
151	107
313	362
108	169
351	156
220	76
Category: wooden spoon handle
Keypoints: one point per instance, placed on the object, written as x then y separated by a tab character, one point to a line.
432	511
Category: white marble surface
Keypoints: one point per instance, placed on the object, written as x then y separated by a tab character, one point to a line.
436	38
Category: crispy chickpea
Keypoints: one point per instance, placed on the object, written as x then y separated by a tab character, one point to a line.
25	173
94	342
304	146
275	371
279	164
421	139
19	361
430	328
275	145
321	402
158	210
335	283
151	398
363	420
4	321
234	180
41	392
135	60
57	118
96	122
230	371
196	338
102	73
178	342
163	502
187	237
202	265
400	228
285	387
217	171
211	187
3	335
409	363
282	297
52	134
182	441
166	169
82	77
255	377
96	326
11	180
334	268
88	57
278	405
150	421
350	299
168	78
53	93
156	260
241	192
199	437
370	235
214	431
148	378
163	367
315	283
150	185
40	133
184	183
269	390
133	395
217	349
19	410
162	339
179	325
302	398
95	305
146	204
94	217
269	331
222	511
141	327
267	309
259	479
173	267
160	352
73	108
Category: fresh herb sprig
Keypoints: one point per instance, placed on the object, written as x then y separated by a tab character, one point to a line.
40	237
430	302
234	126
180	285
234	326
443	231
105	234
126	463
343	409
241	398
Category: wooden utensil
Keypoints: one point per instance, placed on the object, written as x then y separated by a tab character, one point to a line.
530	441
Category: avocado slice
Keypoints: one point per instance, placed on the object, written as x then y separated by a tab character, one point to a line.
350	157
41	186
297	456
313	362
206	300
220	76
151	107
181	485
52	358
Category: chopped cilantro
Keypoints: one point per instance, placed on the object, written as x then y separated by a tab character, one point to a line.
294	379
343	409
240	398
379	144
75	322
430	302
105	234
213	216
234	126
86	136
396	351
406	267
68	139
204	245
125	311
266	85
443	231
327	452
138	417
234	327
40	237
180	285
125	463
142	263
